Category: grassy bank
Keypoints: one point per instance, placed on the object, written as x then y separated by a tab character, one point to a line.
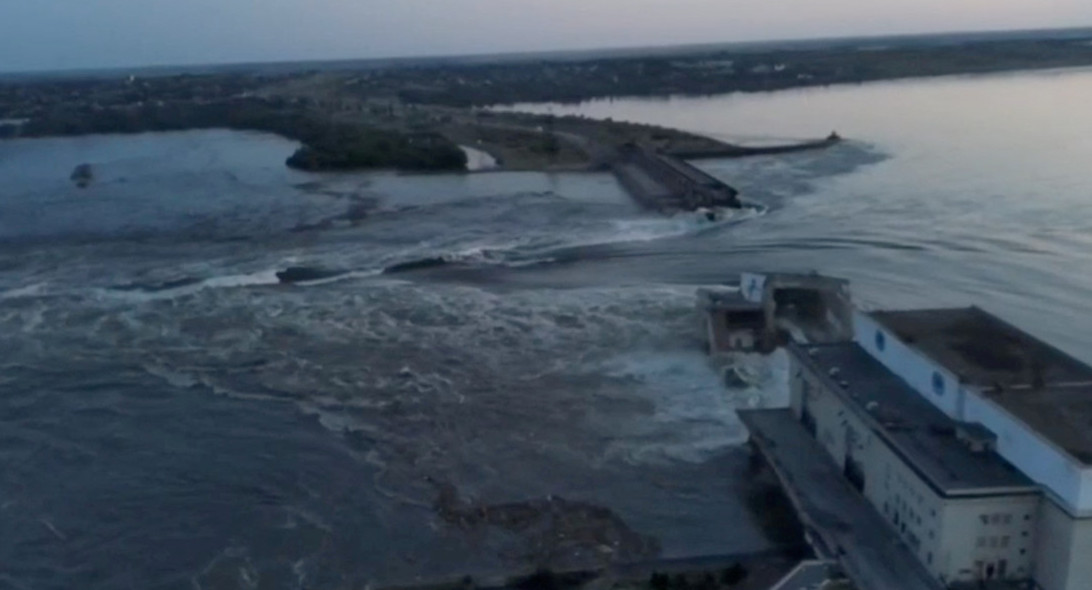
327	144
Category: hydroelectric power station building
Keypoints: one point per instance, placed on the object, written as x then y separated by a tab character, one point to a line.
968	443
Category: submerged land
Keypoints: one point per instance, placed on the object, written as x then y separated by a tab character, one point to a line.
413	115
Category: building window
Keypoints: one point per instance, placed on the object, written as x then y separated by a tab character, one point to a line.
938	384
981	542
1023	552
1005	542
881	341
1007	519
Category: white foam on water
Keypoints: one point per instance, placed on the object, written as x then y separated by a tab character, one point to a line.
534	244
620	231
26	320
478	160
264	277
693	417
173	378
349	276
695	411
33	290
474	250
767	379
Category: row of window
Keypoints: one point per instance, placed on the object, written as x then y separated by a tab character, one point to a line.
994	542
903	505
900	521
996	518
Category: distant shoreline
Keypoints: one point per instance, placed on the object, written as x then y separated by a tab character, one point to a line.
511	107
587	53
413	117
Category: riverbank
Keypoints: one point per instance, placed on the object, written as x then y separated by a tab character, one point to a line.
409	115
360	135
709	70
546	143
328	144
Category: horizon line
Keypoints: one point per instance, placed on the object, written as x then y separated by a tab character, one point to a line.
516	55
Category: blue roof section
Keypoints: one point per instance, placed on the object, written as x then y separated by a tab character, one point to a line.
982	349
1038	384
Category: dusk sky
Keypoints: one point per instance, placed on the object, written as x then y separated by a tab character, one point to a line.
63	34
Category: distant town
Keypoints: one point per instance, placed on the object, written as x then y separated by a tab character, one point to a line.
414	114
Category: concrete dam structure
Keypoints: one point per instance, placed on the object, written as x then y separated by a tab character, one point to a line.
667	184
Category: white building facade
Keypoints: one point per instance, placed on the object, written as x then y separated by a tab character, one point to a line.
962	529
983	375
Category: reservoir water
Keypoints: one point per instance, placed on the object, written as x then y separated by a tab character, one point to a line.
172	417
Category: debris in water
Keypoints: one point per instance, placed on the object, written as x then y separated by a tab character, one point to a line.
83	175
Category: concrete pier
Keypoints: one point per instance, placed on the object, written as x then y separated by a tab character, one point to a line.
741	151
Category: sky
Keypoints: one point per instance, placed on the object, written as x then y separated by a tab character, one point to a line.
74	34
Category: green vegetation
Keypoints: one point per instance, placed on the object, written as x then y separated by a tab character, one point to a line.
346	149
327	145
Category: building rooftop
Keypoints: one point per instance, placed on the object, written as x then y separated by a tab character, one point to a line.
1062	414
1040	385
924	436
982	349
